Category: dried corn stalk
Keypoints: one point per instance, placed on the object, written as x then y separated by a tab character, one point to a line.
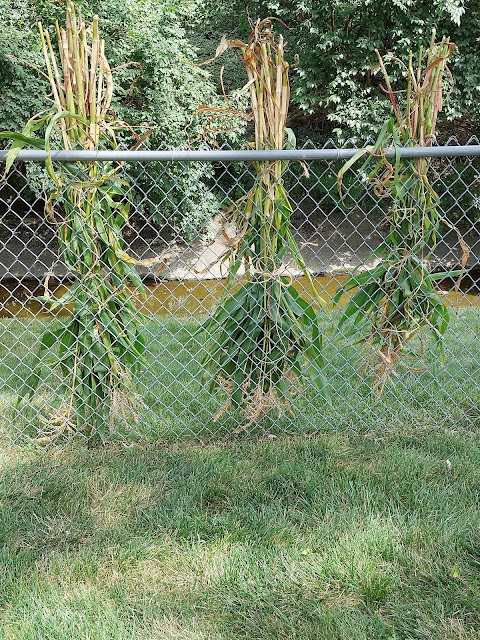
100	346
398	297
265	333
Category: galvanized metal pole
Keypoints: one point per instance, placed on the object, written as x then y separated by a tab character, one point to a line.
235	156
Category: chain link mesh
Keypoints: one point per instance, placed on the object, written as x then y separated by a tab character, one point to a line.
178	230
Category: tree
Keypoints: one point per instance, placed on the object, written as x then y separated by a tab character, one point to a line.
336	41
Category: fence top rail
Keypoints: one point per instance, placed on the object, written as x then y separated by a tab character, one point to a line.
235	156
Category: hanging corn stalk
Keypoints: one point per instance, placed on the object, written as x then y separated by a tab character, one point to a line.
263	332
100	346
398	297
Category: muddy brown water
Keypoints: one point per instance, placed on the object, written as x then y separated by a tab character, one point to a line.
197	297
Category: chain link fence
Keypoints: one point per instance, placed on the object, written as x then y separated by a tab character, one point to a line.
180	231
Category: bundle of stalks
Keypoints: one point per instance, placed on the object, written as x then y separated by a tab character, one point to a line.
263	332
398	297
100	346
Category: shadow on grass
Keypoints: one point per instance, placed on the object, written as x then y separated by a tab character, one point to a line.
337	536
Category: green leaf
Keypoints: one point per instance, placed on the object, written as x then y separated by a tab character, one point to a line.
30	386
446	274
21	140
49	338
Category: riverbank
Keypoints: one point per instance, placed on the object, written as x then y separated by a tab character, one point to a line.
330	244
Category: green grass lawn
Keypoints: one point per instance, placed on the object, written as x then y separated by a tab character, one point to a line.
337	536
174	404
363	526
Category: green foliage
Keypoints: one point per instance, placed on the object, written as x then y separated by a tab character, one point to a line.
100	347
148	33
336	40
179	196
261	336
